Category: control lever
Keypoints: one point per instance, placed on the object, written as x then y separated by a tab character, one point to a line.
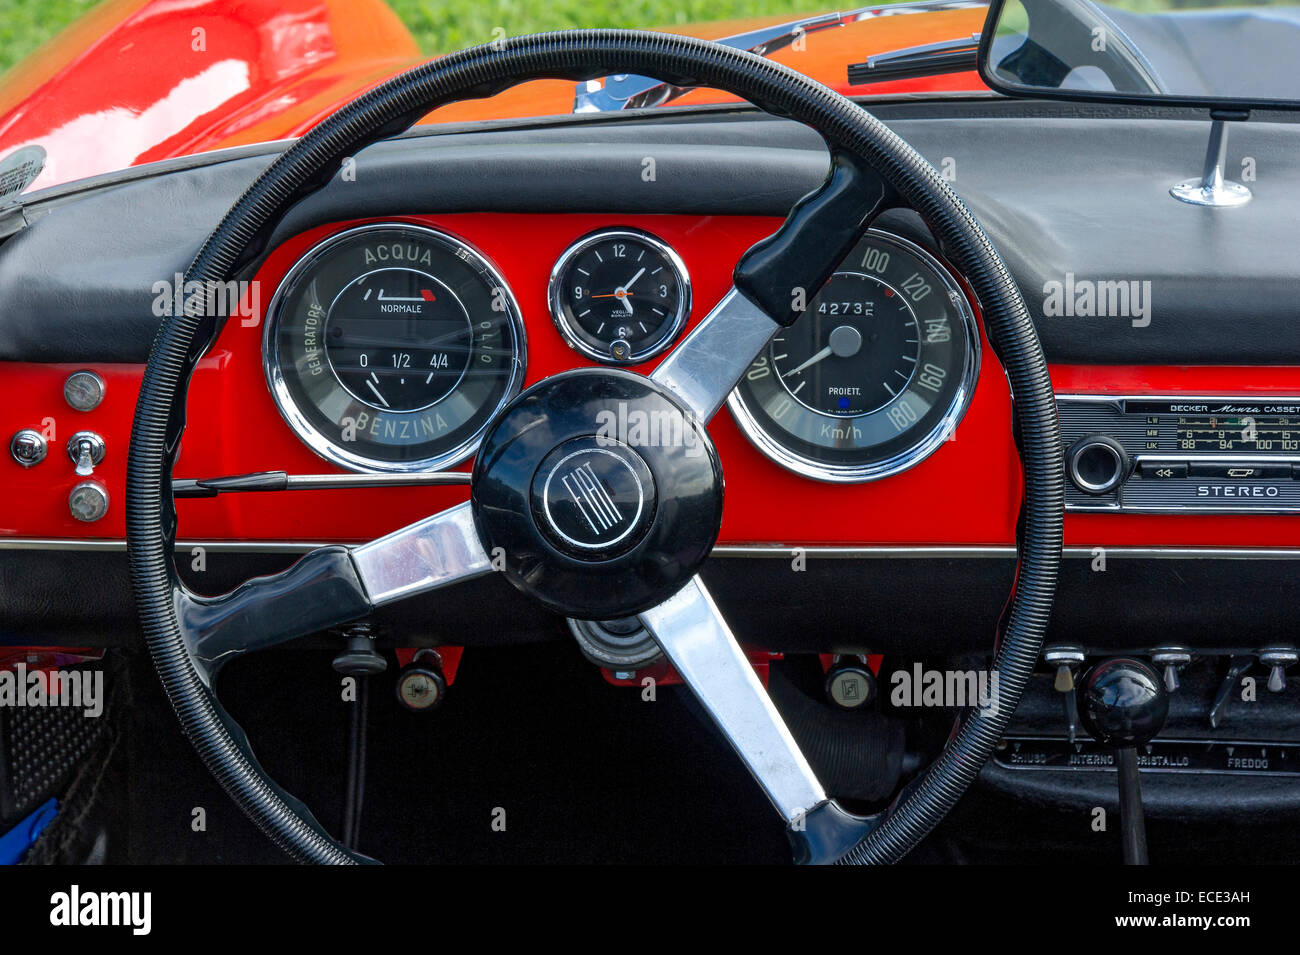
1237	667
1067	661
1124	705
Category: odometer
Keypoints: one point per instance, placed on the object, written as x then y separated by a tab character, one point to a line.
875	374
390	347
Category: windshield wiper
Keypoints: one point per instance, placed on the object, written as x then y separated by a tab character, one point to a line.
930	59
629	91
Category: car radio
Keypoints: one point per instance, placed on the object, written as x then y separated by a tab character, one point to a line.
1147	453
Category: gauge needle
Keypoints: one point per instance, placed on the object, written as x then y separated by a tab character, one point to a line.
824	353
371	385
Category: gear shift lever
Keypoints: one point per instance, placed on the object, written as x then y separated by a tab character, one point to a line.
1123	703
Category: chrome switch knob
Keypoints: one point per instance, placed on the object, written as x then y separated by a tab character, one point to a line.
28	447
1277	659
1172	659
86	449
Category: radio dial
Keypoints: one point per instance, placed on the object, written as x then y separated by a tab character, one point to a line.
1097	464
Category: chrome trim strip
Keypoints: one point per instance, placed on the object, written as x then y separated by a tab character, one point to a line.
770	551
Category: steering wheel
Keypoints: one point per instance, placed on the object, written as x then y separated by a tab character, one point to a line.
515	515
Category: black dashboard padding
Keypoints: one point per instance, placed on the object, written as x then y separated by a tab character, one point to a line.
1067	197
82	598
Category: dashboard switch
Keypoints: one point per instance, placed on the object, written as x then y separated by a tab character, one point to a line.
1237	667
1124	706
1171	660
28	447
421	685
88	501
83	391
1067	660
1239	471
850	684
1163	470
1277	659
86	449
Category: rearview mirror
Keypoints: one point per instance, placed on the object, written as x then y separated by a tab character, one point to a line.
1179	52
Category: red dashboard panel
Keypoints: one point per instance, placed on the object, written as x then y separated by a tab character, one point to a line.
965	493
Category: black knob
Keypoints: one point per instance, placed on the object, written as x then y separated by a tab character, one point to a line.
421	686
1097	464
1123	702
359	657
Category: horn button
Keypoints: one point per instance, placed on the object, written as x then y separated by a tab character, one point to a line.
596	493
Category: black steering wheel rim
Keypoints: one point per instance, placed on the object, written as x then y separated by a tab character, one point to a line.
578	55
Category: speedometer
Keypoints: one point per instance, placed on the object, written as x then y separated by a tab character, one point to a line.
390	347
875	374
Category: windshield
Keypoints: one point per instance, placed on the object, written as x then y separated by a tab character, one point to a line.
102	87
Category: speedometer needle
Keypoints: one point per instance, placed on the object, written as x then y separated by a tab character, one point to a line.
824	353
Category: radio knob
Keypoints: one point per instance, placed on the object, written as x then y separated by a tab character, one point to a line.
1097	464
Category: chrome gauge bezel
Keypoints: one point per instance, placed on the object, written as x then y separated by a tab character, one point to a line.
328	448
575	340
773	448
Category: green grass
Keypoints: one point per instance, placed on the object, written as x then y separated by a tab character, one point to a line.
26	24
453	24
439	25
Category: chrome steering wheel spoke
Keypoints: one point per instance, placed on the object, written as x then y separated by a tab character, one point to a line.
704	368
695	638
328	587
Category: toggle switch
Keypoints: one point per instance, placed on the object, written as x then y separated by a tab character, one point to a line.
1171	660
86	449
1277	659
1067	660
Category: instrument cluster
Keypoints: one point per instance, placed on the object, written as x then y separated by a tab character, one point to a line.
390	347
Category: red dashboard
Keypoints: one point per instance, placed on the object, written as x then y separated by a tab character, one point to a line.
966	493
